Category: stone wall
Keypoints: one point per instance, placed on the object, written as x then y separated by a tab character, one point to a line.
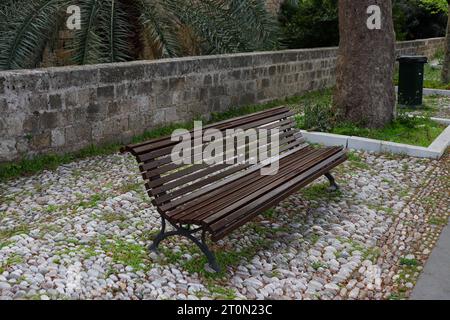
65	109
426	47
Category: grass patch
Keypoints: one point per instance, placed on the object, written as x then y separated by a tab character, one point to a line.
137	187
10	261
128	254
51	161
8	233
436	221
320	191
92	202
317	265
419	131
112	216
221	292
5	244
408	262
355	161
409	130
269	214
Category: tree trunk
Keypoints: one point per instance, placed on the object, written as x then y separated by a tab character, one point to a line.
445	76
364	92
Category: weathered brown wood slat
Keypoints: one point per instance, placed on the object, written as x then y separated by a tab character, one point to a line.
143	157
254	183
167	159
225	189
207	189
199	169
276	199
219	198
271	183
159	143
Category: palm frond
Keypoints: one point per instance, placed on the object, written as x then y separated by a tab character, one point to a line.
211	26
115	25
261	28
25	29
160	26
226	26
87	45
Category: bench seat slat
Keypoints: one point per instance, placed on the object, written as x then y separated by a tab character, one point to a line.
206	198
244	188
174	203
276	196
271	183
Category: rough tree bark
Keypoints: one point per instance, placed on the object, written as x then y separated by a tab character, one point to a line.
365	66
445	76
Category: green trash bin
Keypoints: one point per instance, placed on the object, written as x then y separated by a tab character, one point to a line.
410	82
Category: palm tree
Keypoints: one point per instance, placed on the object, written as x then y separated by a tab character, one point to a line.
119	30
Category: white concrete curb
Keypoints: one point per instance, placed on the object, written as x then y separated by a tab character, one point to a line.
441	120
430	92
434	151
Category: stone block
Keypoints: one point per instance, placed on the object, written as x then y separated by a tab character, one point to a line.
48	120
71	99
171	115
58	138
77	133
3	106
113	108
95	111
176	83
86	96
31	124
2	85
41	141
13	124
30	81
247	98
121	90
8	150
105	92
68	77
37	102
124	72
140	88
55	102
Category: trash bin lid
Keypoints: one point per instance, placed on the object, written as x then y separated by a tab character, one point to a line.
412	59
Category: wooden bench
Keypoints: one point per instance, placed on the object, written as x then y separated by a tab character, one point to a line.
217	199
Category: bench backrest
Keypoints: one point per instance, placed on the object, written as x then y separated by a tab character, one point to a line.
172	184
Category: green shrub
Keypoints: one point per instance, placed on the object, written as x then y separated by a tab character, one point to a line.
315	23
309	23
318	117
418	19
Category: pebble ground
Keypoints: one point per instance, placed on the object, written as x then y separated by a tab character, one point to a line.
81	232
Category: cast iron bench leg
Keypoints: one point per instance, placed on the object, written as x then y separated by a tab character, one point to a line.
333	184
180	231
